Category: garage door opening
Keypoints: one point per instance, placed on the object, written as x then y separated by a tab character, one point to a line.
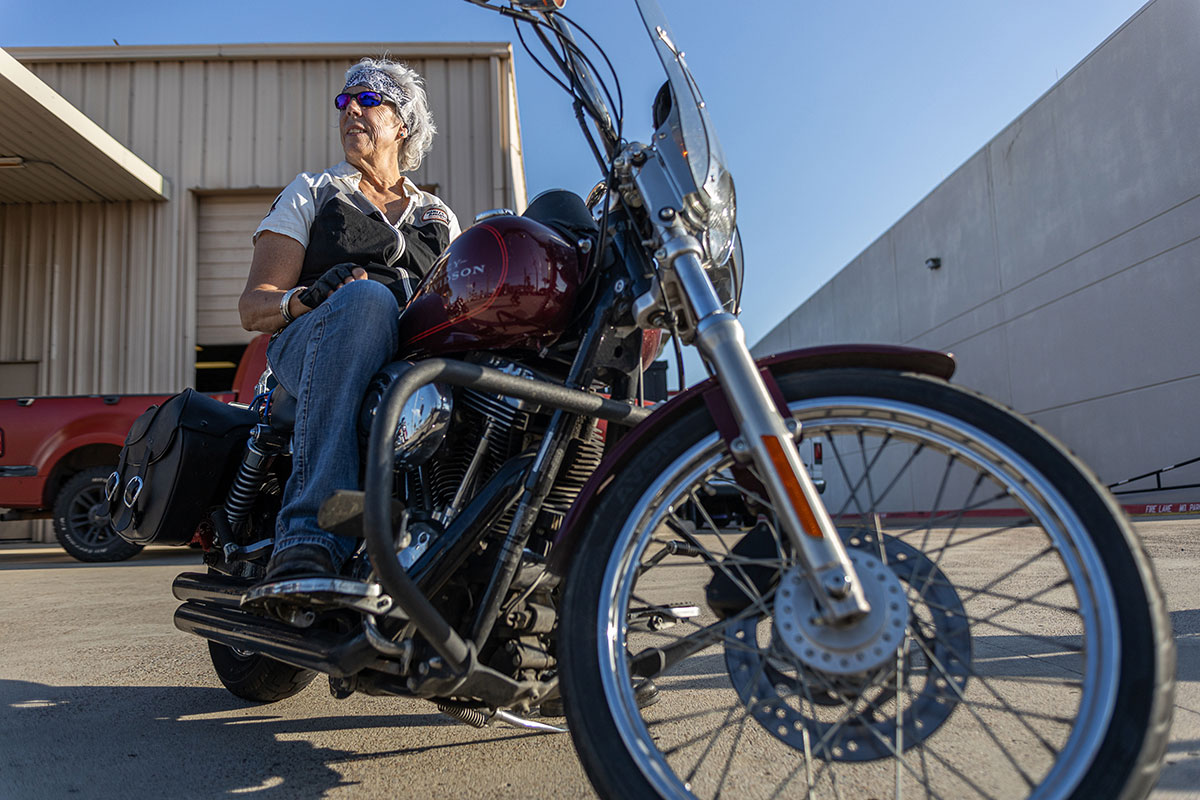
225	225
216	366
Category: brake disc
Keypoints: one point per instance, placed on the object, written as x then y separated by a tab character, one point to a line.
809	683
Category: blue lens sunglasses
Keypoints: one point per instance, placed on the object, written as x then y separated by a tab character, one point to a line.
365	99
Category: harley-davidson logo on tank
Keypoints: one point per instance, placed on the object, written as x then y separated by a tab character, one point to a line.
508	282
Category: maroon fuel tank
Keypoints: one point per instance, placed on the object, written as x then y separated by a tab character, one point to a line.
508	282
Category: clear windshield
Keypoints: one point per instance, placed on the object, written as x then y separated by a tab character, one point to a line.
697	134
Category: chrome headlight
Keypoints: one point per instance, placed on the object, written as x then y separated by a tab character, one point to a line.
712	214
423	420
720	219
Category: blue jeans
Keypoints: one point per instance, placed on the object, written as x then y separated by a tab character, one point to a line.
326	359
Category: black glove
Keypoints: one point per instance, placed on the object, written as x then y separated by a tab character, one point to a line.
324	286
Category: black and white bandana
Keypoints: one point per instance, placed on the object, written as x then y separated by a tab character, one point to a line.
379	81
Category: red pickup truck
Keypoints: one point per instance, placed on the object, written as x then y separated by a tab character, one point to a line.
57	452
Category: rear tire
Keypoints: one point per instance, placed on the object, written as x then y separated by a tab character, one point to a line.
255	677
1036	659
81	519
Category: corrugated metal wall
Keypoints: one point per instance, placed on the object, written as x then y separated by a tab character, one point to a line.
225	226
103	295
71	278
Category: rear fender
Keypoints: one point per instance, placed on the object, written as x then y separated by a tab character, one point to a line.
873	356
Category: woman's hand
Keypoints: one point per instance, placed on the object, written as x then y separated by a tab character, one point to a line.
275	269
334	278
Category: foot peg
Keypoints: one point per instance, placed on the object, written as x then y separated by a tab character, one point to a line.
290	598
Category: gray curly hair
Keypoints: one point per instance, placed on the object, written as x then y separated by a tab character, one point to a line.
403	88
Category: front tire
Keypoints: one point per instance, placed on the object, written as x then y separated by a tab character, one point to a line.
81	519
1035	656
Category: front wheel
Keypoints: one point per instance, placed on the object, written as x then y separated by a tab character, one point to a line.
1018	643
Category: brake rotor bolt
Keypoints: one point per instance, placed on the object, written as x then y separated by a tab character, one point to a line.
838	585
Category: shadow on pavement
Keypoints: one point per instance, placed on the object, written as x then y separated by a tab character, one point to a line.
111	740
48	557
1181	769
173	741
1186	626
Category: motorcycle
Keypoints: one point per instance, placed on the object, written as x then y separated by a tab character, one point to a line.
957	609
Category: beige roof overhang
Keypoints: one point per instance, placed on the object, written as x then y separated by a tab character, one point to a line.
65	157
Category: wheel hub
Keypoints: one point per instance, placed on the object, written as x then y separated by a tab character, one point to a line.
862	646
98	515
796	694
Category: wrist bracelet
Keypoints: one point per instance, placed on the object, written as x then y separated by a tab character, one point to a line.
286	301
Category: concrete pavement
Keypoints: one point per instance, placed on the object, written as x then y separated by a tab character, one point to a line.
101	697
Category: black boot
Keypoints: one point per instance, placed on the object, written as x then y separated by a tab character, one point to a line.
297	579
727	597
300	561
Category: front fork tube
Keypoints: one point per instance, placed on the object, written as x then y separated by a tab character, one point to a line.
766	441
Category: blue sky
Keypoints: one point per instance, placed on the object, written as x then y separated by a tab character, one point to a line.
836	117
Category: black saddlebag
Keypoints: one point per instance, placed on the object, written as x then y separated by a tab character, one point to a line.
179	460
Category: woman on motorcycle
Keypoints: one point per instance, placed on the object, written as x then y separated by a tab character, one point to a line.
336	258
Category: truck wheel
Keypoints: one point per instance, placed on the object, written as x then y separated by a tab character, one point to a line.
81	519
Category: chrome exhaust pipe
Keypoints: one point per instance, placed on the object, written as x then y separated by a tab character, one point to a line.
214	588
323	651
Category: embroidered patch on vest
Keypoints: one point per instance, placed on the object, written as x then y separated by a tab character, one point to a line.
436	215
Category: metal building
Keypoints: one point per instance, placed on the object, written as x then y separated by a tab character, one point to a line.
132	178
1059	263
102	291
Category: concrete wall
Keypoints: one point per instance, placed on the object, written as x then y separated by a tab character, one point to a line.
1070	249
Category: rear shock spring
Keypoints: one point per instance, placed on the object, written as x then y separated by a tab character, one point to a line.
260	450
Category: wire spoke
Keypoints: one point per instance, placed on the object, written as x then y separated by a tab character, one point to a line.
713	741
850	706
969	539
1040	637
1015	601
710	631
959	514
854	486
958	773
686	716
747	710
1017	714
1023	565
937	502
729	759
750	591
